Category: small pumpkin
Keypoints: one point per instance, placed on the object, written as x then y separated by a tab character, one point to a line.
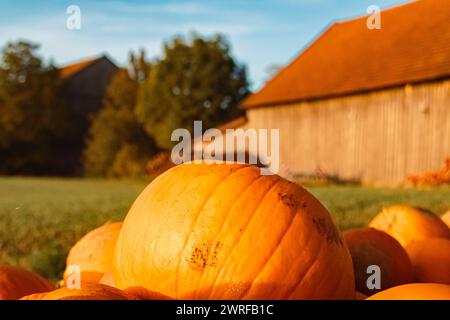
431	260
17	282
408	224
224	231
414	291
446	218
93	253
373	247
108	279
145	294
87	291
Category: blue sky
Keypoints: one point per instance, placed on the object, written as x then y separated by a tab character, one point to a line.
262	32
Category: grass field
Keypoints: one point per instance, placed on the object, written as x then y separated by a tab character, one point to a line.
41	218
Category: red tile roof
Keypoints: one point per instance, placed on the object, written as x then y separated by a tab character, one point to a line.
413	45
74	68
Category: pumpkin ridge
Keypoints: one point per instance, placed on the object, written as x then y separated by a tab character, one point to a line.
194	222
320	252
342	265
314	259
308	241
219	273
283	235
319	283
308	270
337	285
306	244
226	216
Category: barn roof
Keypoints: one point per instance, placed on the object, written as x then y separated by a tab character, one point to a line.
234	123
413	45
74	68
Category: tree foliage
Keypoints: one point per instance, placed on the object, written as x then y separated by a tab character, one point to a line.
196	79
33	115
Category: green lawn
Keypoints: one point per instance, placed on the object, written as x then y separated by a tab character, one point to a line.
41	218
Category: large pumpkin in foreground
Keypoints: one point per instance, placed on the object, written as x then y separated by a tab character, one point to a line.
373	247
408	224
414	291
16	283
224	231
93	253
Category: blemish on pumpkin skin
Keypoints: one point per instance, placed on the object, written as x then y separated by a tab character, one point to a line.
327	230
288	199
203	256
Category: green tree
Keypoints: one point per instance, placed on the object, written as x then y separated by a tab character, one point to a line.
33	116
117	144
196	79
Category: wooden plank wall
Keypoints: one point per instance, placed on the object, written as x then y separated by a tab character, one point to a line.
377	138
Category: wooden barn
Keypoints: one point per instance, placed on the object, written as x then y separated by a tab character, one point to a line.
84	86
85	83
365	105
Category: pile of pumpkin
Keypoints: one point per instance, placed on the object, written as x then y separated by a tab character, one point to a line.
224	231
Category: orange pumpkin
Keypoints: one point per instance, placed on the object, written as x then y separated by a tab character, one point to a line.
415	291
108	279
431	260
88	291
373	247
93	253
446	218
140	293
16	283
96	291
224	231
408	224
